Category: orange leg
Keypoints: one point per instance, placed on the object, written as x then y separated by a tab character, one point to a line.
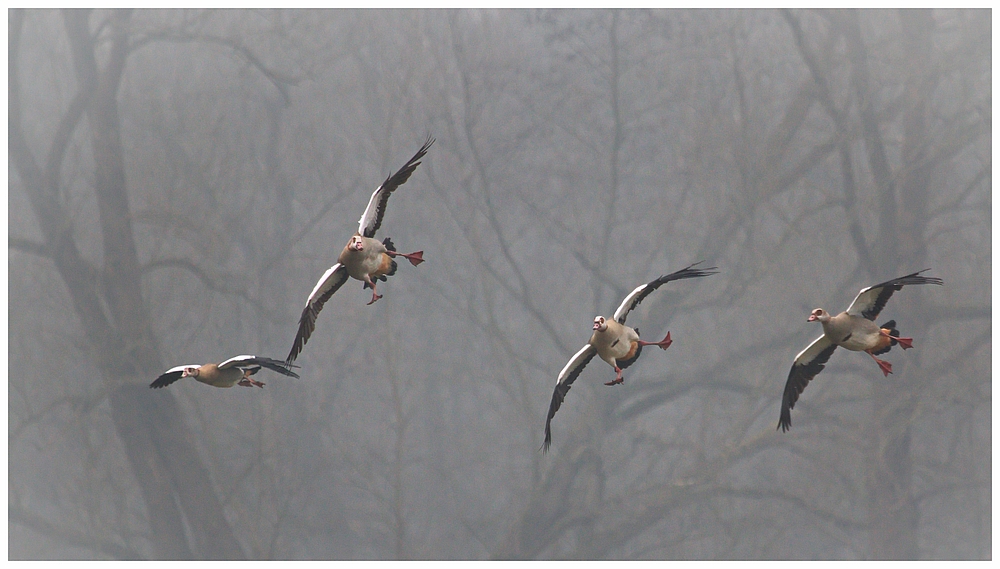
375	296
663	344
414	258
905	343
248	381
883	365
618	377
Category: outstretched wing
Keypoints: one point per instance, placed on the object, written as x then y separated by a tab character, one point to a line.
641	291
332	279
806	366
372	218
870	301
248	361
170	376
566	378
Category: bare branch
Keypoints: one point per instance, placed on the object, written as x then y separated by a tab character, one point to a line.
29	246
216	283
19	515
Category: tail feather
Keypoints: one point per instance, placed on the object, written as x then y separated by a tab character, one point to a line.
891	327
392	264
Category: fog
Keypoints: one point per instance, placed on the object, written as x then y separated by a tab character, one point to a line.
179	180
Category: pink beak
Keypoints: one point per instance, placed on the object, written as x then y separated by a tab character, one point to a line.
597	325
812	318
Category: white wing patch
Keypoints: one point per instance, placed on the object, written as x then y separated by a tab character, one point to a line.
626	304
180	368
573	363
864	301
812	350
322	281
237	360
370	212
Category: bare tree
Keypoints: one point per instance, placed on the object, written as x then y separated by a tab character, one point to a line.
182	508
806	153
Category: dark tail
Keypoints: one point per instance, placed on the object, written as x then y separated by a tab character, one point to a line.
891	327
392	268
392	271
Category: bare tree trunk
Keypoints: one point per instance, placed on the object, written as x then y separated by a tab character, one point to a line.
175	485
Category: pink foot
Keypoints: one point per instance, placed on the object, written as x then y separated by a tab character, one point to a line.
883	365
375	295
618	377
663	344
905	343
247	382
414	258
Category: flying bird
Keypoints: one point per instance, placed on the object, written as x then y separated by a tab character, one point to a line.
364	258
234	371
614	342
853	329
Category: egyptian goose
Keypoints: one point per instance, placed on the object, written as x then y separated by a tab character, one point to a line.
363	258
853	329
614	342
234	371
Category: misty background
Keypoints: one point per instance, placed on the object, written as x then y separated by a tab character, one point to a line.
179	180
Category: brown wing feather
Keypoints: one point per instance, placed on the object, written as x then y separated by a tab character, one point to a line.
870	301
307	322
566	379
393	182
802	372
642	291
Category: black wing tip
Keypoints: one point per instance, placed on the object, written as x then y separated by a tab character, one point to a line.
690	272
283	367
915	279
427	144
784	422
413	162
548	436
307	324
785	419
164	380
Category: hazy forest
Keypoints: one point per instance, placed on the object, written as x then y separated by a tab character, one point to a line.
179	180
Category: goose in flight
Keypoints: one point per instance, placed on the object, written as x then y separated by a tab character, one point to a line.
853	329
234	371
614	342
364	258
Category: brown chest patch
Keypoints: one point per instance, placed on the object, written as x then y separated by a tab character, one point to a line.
631	351
882	342
384	266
